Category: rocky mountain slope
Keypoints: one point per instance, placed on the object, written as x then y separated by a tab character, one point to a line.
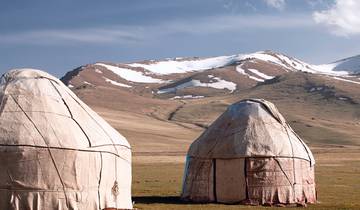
322	102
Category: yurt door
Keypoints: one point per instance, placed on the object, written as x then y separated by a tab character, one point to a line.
230	180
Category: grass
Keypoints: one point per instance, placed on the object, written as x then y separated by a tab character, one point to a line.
158	185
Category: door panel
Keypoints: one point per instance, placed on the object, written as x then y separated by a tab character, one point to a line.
230	180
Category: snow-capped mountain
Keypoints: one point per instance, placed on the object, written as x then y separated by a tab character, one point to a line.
183	65
201	77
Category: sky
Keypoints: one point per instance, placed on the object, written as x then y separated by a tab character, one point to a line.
58	36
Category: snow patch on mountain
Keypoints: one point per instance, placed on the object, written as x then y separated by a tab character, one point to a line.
186	97
346	80
329	69
260	74
87	83
183	66
116	83
98	71
218	84
242	71
131	75
294	63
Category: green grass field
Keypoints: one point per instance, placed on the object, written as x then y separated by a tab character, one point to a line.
158	185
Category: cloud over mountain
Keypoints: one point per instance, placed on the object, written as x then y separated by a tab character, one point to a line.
342	18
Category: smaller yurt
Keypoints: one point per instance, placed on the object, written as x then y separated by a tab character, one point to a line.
250	155
55	152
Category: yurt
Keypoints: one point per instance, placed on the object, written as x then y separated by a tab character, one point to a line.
55	152
250	155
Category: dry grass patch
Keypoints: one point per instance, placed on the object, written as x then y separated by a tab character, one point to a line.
158	185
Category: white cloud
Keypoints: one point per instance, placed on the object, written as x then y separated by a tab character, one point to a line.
342	18
277	4
85	35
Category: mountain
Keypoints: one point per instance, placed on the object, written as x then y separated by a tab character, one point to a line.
184	95
201	77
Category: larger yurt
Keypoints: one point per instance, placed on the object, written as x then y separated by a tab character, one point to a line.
55	152
250	155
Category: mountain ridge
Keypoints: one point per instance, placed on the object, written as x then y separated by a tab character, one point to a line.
196	77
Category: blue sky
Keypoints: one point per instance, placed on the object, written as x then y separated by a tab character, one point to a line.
58	36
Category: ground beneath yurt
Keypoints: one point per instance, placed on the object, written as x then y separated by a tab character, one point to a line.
156	185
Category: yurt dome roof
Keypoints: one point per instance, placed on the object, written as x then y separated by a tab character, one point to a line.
250	128
60	118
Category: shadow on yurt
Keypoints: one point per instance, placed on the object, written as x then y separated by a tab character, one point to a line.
250	155
56	153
